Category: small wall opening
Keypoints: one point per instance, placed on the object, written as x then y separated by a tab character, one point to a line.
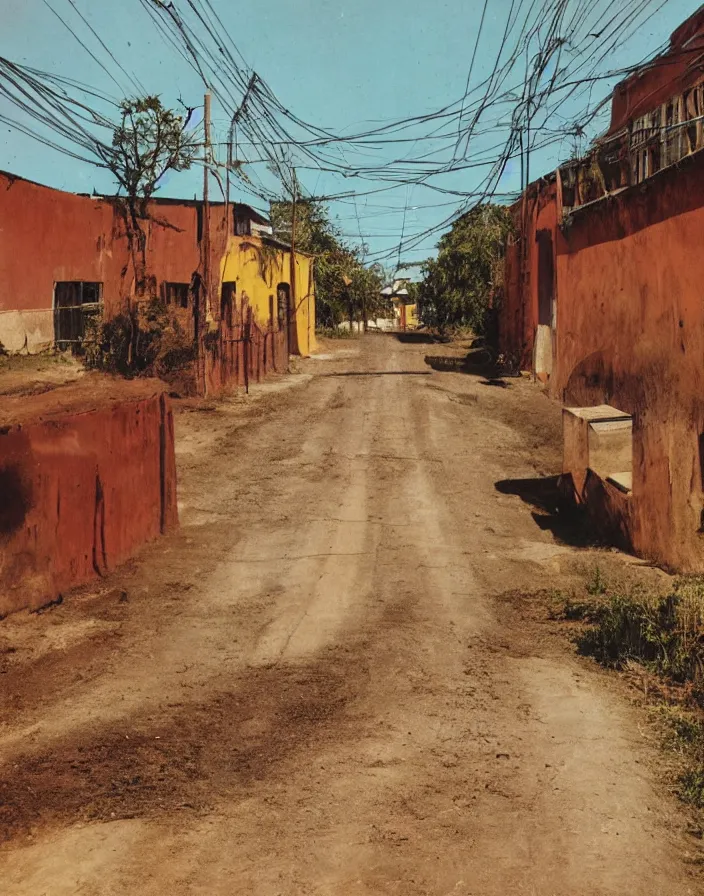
176	294
283	292
199	223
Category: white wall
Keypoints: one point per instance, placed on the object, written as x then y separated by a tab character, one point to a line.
27	331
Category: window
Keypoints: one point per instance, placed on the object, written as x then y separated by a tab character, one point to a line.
243	225
176	294
75	302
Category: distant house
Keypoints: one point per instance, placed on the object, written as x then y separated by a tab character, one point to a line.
405	312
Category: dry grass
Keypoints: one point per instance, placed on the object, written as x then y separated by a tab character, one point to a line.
657	638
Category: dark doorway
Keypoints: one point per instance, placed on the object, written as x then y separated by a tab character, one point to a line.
75	302
283	298
546	277
228	296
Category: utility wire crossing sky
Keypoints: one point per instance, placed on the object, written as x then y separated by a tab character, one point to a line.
398	120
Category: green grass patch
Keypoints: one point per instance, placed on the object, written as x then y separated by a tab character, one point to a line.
335	333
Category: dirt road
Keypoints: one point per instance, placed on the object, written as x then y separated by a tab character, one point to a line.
318	686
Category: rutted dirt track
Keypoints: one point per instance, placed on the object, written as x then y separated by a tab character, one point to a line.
319	685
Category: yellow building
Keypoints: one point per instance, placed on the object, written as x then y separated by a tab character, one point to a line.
407	315
405	310
257	268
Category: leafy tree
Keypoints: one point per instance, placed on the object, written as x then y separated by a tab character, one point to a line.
148	141
462	285
345	288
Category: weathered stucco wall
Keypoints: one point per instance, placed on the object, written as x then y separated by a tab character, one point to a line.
47	236
258	269
520	311
631	334
26	331
87	475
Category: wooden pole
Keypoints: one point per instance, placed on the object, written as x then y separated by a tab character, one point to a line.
206	208
292	331
202	300
227	184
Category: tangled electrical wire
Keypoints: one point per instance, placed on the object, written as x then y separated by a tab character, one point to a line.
552	54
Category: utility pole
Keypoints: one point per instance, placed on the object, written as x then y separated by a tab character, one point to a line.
227	180
230	140
206	209
201	301
292	330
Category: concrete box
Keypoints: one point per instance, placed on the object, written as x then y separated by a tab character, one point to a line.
577	442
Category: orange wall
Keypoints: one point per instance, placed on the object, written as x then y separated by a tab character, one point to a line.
88	475
631	334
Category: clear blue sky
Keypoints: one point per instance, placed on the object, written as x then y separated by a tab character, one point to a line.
337	64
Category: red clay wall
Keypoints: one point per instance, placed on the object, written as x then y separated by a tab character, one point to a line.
88	475
519	313
49	235
631	334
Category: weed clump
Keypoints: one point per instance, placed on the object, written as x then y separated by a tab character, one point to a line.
150	341
663	632
691	786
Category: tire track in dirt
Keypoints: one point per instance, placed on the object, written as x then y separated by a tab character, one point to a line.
342	704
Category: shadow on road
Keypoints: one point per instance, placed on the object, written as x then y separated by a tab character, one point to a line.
496	381
416	338
380	373
480	360
553	510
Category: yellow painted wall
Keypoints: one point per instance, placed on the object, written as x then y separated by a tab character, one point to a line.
410	311
257	268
